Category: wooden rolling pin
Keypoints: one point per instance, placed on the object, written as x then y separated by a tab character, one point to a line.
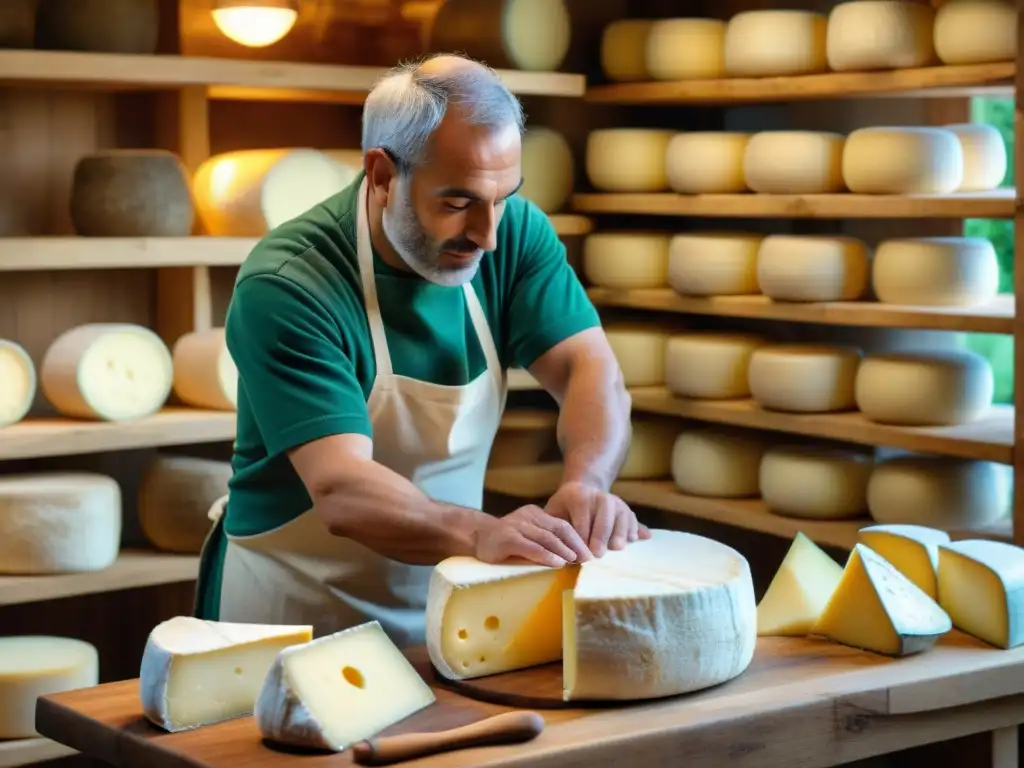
507	728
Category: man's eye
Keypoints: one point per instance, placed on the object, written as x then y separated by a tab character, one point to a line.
460	205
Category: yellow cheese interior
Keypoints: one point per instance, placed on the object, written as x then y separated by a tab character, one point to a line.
974	597
799	591
907	556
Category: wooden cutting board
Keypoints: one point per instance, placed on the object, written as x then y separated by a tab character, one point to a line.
534	688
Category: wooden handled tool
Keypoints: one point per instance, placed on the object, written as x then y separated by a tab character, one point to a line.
507	728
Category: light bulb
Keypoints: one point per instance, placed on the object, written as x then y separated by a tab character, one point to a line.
255	26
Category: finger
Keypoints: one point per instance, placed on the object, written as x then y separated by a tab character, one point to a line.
621	528
604	523
549	541
567	534
521	546
634	524
643	531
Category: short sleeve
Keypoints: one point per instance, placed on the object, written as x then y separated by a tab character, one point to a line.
292	365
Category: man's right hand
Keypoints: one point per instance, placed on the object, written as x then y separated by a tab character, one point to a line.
531	534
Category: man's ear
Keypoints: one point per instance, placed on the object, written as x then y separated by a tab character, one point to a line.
380	173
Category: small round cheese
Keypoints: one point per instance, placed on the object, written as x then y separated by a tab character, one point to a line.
801	378
794	162
985	156
718	462
624	49
709	365
686	49
18	383
879	34
706	162
650	450
773	43
547	167
816	482
924	389
936	271
640	351
903	161
811	268
626	259
976	31
714	263
175	496
628	159
204	372
349	161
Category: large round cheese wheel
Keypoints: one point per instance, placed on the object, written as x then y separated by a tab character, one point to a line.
794	162
903	160
175	496
624	49
349	161
718	462
205	375
816	482
812	268
922	389
943	492
640	350
714	263
686	49
706	162
650	450
976	31
804	378
18	383
628	159
709	365
548	168
936	271
879	34
985	156
626	259
770	43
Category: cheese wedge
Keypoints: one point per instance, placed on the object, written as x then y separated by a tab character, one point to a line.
981	586
197	672
877	608
799	591
912	549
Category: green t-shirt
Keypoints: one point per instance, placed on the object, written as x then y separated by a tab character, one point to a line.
298	333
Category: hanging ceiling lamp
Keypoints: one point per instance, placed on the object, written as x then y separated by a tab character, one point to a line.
255	23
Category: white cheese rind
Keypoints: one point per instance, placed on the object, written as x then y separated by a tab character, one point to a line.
175	496
794	162
936	271
976	31
879	34
205	375
903	160
811	268
981	586
766	43
18	383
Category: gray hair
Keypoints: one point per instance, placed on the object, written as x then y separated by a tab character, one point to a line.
407	105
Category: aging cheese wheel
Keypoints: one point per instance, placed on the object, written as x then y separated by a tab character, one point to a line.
706	162
985	156
714	263
640	350
686	49
58	522
804	378
816	482
794	162
350	162
547	167
624	49
650	450
204	373
936	271
903	160
626	259
98	26
923	389
976	31
709	365
628	159
718	462
18	383
811	268
175	497
107	371
880	34
774	43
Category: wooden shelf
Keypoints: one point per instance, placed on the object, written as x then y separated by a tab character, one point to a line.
989	438
528	419
994	317
936	82
17	752
998	204
23	254
519	380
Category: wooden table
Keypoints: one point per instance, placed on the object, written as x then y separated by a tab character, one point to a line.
802	702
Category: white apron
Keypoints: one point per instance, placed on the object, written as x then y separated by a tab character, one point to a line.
437	436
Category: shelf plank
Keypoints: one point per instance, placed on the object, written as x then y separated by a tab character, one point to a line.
18	752
993	317
989	438
935	82
24	254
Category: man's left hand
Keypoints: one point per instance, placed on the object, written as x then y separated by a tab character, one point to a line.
602	519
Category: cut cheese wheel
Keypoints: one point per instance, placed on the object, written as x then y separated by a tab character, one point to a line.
912	549
650	450
877	608
18	382
985	156
714	263
547	167
879	34
628	159
249	192
981	586
686	49
58	522
626	259
640	351
107	371
976	31
804	378
706	162
794	162
204	372
350	161
920	389
718	462
175	495
936	271
32	666
816	482
799	591
940	492
772	43
624	49
663	616
709	365
903	161
809	268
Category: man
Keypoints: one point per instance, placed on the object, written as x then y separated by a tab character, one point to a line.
372	335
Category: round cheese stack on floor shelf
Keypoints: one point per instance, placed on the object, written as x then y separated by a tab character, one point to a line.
706	162
976	31
624	50
804	378
107	371
18	383
984	153
668	615
650	450
640	349
710	365
794	162
686	49
903	160
936	271
548	168
714	263
775	43
628	159
981	587
811	268
720	462
204	373
32	666
175	496
58	522
879	34
626	259
816	482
